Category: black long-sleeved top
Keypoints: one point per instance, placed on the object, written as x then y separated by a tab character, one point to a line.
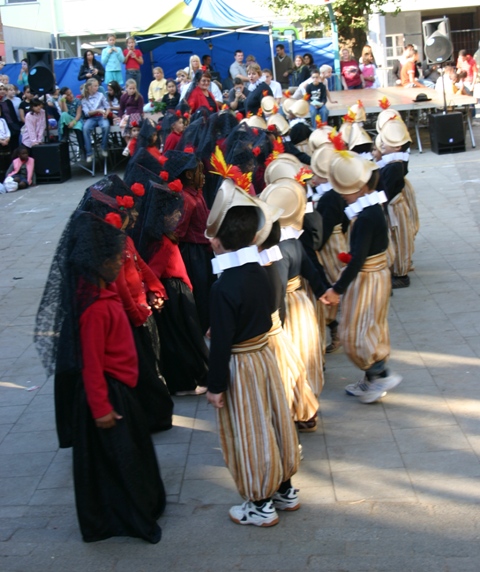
369	237
392	179
84	69
289	147
295	262
311	239
254	98
278	298
240	309
331	206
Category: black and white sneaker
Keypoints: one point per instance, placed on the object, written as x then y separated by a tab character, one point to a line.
286	501
250	513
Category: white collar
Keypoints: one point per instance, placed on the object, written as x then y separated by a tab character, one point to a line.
253	86
322	189
375	198
287	232
237	258
386	159
270	255
368	156
296	120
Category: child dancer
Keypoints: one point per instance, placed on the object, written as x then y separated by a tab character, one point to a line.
257	435
365	282
82	334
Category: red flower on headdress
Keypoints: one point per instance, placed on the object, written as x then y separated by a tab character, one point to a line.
178	113
158	127
255	131
134	124
114	219
189	149
350	117
359	103
303	175
275	109
260	112
337	140
306	97
162	160
138	189
224	107
286	94
175	185
186	115
249	114
384	103
164	175
265	92
256	151
125	202
344	257
271	127
239	116
319	123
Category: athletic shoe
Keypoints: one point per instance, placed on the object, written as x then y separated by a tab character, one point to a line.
250	513
199	390
89	159
400	282
286	501
376	389
104	153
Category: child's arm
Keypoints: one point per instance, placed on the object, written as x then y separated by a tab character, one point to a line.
150	91
105	56
120	56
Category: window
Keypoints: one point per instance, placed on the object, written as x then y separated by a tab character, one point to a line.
20	1
394	45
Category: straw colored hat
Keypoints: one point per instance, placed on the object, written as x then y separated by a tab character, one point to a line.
359	112
320	136
378	142
290	196
228	196
256	121
384	116
395	133
346	131
300	108
280	123
287	104
348	172
290	158
268	104
271	214
280	169
321	160
358	136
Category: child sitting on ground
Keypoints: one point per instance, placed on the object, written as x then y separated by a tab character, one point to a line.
22	169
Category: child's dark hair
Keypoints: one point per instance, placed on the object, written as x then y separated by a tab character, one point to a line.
36	103
238	228
373	181
405	147
363	148
18	150
117	90
171	81
63	90
274	237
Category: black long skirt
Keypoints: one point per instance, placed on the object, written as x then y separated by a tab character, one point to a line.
198	262
118	488
183	349
152	391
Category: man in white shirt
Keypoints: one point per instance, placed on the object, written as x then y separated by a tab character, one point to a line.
275	86
238	69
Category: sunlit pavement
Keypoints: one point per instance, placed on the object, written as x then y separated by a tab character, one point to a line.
384	487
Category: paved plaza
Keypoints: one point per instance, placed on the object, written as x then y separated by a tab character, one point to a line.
392	486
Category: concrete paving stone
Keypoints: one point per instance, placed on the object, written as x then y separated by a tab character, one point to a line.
38	441
17	491
25	465
373	484
408	411
208	466
173	498
208	562
313	471
313	495
210	491
368	455
357	432
172	479
7	512
10	414
41	535
33	421
172	456
52	496
175	435
15	549
58	475
341	563
463	563
423	439
280	562
432	464
454	490
204	442
4	431
146	564
349	409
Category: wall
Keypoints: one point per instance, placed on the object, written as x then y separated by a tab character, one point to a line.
21	39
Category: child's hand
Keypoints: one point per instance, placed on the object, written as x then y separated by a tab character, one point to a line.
216	399
108	421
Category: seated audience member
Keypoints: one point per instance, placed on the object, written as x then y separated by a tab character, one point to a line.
33	132
95	109
114	94
201	95
408	73
237	96
275	86
193	67
368	69
207	62
317	93
157	88
8	113
172	97
70	117
91	68
351	76
24	106
22	169
238	68
12	96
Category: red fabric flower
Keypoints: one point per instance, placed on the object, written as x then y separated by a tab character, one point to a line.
125	202
189	149
134	124
344	257
158	127
164	175
256	151
175	185
239	116
224	107
138	189
178	113
271	127
162	159
114	219
186	115
255	131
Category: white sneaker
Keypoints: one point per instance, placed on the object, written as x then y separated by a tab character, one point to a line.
376	389
286	501
250	513
88	159
104	153
359	388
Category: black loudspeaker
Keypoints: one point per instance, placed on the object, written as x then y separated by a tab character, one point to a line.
52	162
446	133
436	36
41	78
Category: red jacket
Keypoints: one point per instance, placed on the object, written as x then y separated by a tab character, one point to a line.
197	99
193	223
133	283
167	262
107	348
171	141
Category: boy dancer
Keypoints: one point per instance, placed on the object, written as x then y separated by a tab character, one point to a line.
257	434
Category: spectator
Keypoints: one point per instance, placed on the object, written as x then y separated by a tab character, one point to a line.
33	132
193	67
317	93
91	68
95	109
200	94
283	66
114	94
326	72
237	96
408	72
158	87
133	60
12	96
24	106
131	102
182	79
397	64
467	64
22	169
172	97
4	132
53	105
112	60
368	69
207	62
23	76
70	117
174	126
238	69
299	71
257	89
351	75
476	56
8	113
430	73
275	86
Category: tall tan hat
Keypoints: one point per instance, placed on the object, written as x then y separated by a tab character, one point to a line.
256	121
279	122
290	196
319	137
321	160
228	196
271	214
359	111
346	131
280	169
348	172
290	158
287	105
268	104
358	136
384	116
394	133
300	108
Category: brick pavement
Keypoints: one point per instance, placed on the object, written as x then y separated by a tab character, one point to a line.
392	486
